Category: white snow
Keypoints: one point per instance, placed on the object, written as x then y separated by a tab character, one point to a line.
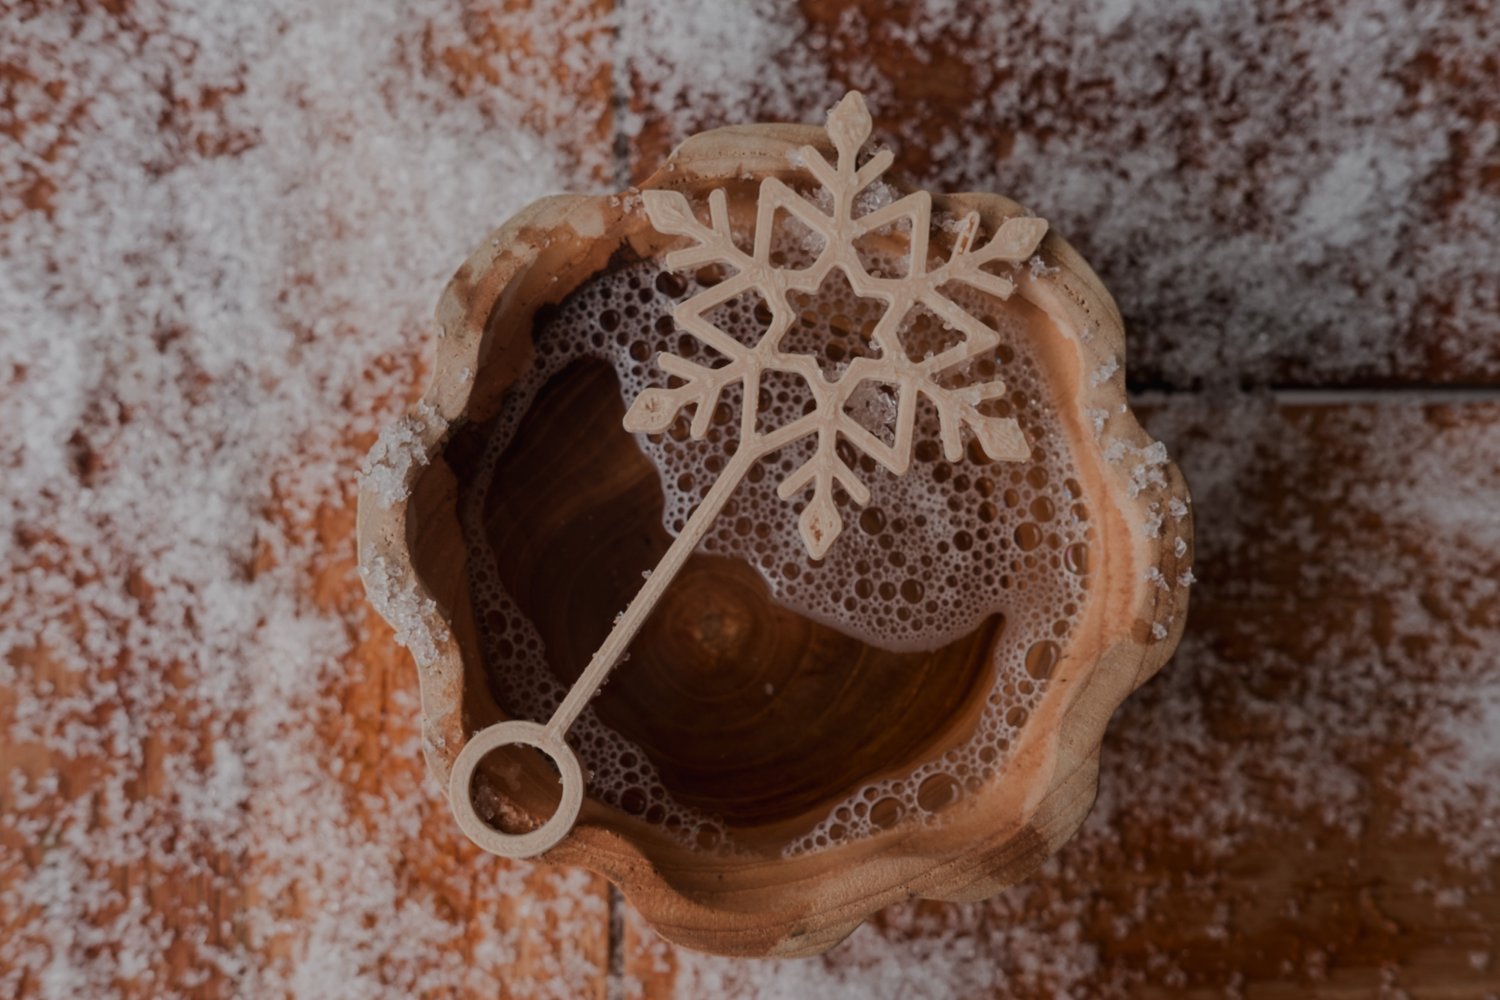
223	227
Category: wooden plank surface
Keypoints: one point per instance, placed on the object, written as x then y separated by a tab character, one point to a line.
1303	804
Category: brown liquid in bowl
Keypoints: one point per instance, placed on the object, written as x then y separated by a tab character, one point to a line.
748	711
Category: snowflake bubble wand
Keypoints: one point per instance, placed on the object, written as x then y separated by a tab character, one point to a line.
828	420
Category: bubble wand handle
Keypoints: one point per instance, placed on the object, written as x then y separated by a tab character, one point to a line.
629	623
551	738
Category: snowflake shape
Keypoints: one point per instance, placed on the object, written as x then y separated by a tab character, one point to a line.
958	407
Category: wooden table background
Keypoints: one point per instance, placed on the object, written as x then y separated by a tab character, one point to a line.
1264	827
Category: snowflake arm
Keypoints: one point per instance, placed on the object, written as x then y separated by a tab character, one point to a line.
1000	437
670	213
654	409
820	523
1015	241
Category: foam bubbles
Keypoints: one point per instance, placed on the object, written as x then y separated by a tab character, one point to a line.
927	561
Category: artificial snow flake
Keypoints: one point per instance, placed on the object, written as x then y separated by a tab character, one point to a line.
839	227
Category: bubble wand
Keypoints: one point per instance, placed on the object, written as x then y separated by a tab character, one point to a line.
701	387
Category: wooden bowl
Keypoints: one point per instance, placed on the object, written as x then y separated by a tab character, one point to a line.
760	781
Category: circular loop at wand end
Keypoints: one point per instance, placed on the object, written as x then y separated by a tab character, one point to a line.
461	797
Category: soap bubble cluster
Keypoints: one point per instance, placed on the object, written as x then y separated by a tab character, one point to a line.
932	556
